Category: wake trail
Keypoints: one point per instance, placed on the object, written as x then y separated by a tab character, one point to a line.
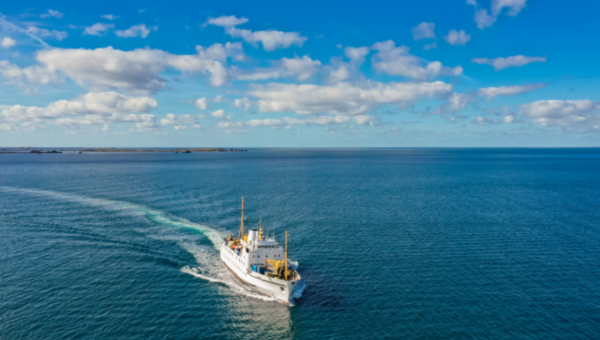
135	209
229	283
209	261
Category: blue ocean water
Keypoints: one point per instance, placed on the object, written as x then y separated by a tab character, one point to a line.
391	244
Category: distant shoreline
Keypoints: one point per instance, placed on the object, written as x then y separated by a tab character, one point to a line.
90	150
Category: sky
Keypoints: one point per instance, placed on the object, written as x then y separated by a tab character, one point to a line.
443	73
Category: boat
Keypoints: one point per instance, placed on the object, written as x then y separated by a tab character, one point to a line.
260	263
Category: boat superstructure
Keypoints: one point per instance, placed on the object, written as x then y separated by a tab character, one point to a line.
260	263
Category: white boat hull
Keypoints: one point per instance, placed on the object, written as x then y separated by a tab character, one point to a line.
279	289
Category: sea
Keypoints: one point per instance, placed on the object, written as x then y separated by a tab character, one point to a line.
393	243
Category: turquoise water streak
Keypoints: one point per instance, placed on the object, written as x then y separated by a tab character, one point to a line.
391	243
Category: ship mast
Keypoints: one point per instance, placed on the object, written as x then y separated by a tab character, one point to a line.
242	224
286	259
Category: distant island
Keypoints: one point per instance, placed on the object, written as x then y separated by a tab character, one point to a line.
89	150
165	150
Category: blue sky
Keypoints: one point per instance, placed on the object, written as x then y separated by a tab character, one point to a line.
320	74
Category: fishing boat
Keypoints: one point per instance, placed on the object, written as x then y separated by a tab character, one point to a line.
260	263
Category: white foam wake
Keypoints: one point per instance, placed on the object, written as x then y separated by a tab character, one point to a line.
233	284
210	268
135	209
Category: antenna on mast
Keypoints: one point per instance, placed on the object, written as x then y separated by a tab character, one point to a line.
286	259
242	224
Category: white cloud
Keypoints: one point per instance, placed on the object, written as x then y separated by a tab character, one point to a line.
579	115
286	122
483	19
397	61
52	13
202	103
32	75
42	32
492	92
343	98
337	75
219	99
424	30
139	30
220	114
244	103
356	53
301	68
109	16
430	46
132	71
514	6
179	122
365	120
8	42
98	29
455	103
270	39
457	38
558	108
502	63
96	108
227	21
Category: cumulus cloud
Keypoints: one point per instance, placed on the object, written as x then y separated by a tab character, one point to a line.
202	103
94	108
455	103
29	76
337	75
98	29
493	92
287	122
484	19
356	53
502	63
7	42
365	120
227	21
300	68
180	122
270	39
424	30
133	71
244	103
343	98
139	30
457	38
52	13
220	114
398	61
514	6
109	16
567	114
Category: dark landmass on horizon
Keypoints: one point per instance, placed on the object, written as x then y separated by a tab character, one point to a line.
89	150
